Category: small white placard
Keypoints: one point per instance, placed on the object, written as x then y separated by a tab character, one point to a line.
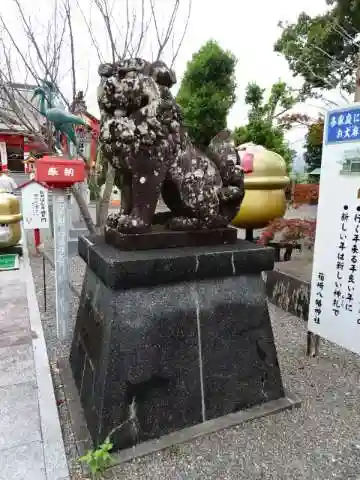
35	206
3	155
5	233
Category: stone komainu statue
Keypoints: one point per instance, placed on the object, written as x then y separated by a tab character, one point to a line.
142	137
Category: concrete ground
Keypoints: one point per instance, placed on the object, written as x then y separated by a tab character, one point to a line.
319	441
31	445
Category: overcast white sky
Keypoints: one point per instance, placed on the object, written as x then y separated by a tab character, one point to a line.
249	29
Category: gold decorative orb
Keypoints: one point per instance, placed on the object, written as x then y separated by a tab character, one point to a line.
10	220
265	182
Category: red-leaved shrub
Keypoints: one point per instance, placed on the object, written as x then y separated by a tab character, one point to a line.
289	231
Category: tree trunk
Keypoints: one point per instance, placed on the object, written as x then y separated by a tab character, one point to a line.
357	85
80	200
103	206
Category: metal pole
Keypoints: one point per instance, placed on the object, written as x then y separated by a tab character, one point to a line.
61	260
37	238
249	236
44	283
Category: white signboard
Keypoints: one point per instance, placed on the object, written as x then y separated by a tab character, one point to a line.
3	154
5	233
61	232
35	206
335	287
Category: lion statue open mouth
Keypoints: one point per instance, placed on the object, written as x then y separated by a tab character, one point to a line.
143	138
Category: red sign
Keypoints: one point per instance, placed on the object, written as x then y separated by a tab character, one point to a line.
247	162
59	171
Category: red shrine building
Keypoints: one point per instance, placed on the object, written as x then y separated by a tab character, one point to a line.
16	141
88	137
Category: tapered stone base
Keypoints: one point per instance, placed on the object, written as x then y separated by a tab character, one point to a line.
168	339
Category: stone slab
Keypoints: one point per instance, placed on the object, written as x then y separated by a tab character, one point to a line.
19	419
14	319
16	365
25	462
207	428
160	238
289	293
13	308
12	290
83	440
130	269
196	344
73	246
76	413
53	445
78	232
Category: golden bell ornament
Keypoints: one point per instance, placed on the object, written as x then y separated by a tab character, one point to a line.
10	220
265	182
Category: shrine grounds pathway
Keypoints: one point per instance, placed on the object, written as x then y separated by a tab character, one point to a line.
31	444
319	441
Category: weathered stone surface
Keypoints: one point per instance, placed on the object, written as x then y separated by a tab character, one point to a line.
142	137
19	419
160	237
23	462
16	364
168	339
289	293
127	269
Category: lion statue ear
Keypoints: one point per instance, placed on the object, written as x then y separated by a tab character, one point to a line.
162	74
106	70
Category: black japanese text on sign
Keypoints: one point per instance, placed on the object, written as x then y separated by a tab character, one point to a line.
319	297
349	294
35	205
338	296
43	211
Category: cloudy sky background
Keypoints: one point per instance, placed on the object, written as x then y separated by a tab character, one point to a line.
248	29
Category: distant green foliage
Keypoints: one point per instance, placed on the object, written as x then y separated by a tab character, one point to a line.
263	127
207	92
323	49
313	145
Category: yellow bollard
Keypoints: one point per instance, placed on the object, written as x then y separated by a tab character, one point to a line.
264	191
10	220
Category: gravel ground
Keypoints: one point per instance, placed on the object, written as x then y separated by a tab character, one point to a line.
319	441
57	350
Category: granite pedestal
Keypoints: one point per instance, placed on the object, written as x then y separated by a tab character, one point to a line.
167	339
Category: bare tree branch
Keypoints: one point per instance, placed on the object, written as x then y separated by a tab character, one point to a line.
57	48
152	6
303	60
31	36
163	39
72	47
325	80
330	57
182	36
14	100
129	47
143	29
91	33
103	8
86	88
127	30
22	56
342	32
